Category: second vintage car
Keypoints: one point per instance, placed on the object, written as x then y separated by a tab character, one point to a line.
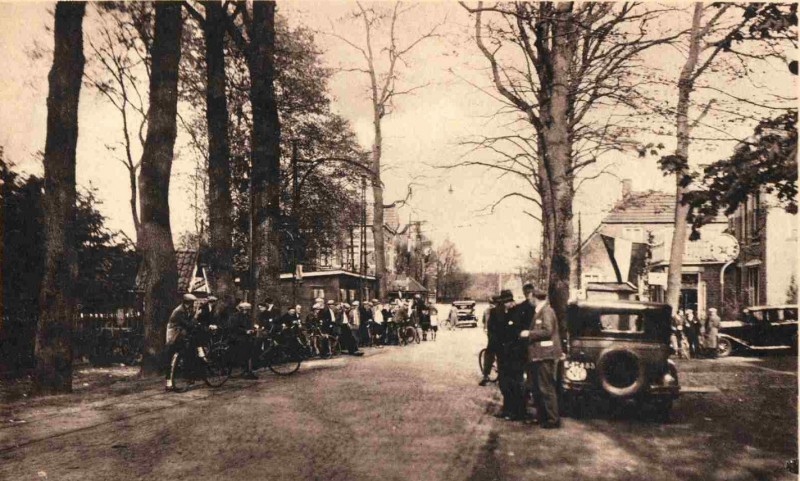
759	328
619	351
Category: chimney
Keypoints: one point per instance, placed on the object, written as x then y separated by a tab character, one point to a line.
627	185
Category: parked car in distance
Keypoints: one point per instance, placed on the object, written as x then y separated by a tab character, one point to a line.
466	313
759	328
618	350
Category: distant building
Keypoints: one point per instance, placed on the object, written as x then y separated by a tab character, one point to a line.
767	263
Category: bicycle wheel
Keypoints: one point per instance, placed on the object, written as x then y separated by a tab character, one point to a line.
493	372
178	374
409	334
218	369
283	362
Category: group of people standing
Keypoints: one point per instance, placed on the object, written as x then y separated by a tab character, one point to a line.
695	336
524	337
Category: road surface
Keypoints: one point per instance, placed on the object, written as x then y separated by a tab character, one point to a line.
411	413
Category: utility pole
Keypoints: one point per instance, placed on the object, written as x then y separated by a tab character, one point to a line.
579	269
295	222
363	244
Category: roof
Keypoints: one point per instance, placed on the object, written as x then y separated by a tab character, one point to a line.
328	273
649	207
619	304
610	287
406	284
186	261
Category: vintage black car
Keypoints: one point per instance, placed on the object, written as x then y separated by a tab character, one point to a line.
759	328
618	351
466	313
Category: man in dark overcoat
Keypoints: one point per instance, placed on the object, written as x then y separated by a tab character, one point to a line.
510	359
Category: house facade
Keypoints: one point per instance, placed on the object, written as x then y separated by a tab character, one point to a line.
765	271
627	255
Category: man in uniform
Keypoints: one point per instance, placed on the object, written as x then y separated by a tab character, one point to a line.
544	350
510	359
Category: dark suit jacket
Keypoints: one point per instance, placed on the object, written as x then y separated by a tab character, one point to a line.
544	341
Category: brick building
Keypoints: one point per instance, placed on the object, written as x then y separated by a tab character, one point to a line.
766	266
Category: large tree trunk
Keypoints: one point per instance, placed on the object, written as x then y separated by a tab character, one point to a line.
220	205
156	242
558	160
377	209
56	298
265	151
685	88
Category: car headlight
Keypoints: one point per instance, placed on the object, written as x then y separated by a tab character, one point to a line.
669	380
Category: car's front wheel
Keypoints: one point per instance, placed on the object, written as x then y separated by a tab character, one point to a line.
724	347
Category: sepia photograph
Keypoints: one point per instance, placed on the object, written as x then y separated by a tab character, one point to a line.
428	240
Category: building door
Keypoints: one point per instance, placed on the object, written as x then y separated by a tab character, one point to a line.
689	294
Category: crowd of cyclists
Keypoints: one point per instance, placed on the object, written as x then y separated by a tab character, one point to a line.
217	343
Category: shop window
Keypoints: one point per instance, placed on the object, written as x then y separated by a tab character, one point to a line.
319	293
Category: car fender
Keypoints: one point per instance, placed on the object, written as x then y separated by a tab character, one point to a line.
735	339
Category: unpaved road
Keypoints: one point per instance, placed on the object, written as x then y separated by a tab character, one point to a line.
402	414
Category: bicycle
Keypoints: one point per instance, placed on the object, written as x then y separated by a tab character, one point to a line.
192	363
492	376
278	358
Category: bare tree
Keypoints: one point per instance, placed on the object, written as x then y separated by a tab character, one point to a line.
383	92
56	298
556	67
158	252
711	35
120	58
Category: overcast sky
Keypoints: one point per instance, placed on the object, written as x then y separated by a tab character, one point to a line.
423	131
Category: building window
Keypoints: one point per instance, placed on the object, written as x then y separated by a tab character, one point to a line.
751	217
633	234
319	293
753	286
342	295
352	293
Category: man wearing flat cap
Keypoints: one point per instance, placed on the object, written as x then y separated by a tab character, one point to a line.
544	350
179	324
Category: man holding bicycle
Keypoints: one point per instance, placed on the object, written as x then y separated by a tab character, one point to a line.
241	328
492	347
180	323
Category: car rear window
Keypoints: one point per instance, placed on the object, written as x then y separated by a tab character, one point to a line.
627	322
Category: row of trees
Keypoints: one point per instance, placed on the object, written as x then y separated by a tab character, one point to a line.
250	92
575	81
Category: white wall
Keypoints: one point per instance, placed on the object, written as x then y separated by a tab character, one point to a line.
780	253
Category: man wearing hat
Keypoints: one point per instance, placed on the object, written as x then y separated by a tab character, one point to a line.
179	324
205	313
241	326
505	328
544	350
